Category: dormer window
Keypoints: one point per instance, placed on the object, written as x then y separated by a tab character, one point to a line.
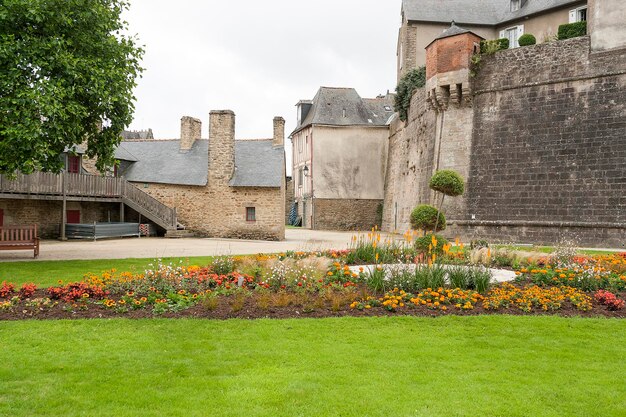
515	5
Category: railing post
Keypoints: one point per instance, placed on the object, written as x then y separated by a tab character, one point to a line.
64	209
174	218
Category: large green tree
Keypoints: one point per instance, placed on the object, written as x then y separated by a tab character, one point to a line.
67	73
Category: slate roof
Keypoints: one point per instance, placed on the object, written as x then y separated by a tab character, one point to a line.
329	104
483	12
160	161
258	163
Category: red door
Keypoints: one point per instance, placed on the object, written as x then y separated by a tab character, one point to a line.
73	216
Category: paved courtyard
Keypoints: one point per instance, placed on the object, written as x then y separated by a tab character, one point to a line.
296	239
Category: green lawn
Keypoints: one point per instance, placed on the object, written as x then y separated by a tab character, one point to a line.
46	273
452	366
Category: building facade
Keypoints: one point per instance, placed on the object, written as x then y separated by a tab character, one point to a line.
424	20
339	154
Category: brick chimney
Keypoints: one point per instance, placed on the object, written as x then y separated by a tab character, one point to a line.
190	131
279	131
221	145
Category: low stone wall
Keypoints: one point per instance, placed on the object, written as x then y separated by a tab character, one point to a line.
47	214
343	214
540	233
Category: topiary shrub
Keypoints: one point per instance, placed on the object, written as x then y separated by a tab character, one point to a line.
527	40
424	243
493	46
424	217
447	182
572	30
404	91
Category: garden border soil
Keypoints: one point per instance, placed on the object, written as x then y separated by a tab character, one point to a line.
251	311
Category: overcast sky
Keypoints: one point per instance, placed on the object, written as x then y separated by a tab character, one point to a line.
257	57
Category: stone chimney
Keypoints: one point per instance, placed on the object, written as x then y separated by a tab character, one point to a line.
190	131
279	131
221	145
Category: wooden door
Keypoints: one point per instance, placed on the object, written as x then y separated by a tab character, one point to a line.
73	216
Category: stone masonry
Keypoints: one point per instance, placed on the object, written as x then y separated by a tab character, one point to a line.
47	214
217	209
545	146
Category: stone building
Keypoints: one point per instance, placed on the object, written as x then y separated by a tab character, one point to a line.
538	133
339	154
220	187
424	20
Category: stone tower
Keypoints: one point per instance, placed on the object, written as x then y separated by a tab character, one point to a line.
448	60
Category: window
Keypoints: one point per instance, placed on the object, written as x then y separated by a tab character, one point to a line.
1	217
300	144
73	164
515	5
513	34
250	214
578	15
300	177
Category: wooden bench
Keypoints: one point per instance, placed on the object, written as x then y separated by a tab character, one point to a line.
19	238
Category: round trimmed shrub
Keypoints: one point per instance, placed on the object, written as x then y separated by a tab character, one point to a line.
424	217
447	182
422	243
527	40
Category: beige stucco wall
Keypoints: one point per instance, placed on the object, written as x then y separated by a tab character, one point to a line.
545	26
349	162
606	24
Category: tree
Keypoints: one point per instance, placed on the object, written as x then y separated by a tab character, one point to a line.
67	72
448	183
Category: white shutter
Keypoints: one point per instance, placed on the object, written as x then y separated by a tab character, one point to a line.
572	16
520	31
502	34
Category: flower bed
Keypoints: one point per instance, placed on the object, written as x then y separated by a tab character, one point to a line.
319	284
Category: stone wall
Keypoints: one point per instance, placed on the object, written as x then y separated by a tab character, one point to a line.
410	163
549	143
47	214
547	157
346	214
217	209
220	211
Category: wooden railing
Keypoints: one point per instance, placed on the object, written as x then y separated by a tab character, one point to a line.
79	185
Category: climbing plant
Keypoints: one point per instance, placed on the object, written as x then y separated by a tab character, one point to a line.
414	79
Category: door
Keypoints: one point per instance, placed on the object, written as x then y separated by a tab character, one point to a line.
73	216
1	217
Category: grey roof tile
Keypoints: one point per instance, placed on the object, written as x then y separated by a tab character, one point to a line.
160	161
483	12
258	164
344	107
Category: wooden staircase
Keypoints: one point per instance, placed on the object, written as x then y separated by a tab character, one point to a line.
80	187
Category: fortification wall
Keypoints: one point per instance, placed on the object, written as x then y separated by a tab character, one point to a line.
548	149
409	164
549	145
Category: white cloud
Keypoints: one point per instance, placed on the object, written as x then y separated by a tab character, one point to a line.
257	58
